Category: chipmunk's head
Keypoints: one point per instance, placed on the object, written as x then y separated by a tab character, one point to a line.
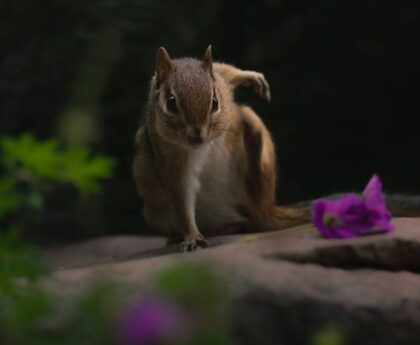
188	105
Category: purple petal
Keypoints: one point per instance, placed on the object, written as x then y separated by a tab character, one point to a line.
372	195
374	188
349	208
152	320
376	204
344	232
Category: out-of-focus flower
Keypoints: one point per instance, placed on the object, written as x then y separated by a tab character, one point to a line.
153	320
352	215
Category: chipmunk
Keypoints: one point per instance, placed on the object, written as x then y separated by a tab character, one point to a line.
204	164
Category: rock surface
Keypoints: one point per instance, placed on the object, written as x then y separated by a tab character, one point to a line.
292	283
100	250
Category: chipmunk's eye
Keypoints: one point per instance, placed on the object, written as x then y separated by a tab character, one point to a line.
171	103
214	104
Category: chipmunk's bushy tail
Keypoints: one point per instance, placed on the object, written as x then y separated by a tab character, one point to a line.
278	218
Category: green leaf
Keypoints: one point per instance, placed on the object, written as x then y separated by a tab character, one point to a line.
34	161
10	199
84	172
37	157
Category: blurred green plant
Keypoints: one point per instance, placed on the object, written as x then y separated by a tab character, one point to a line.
18	259
28	312
43	165
31	313
330	335
33	161
9	199
201	291
22	303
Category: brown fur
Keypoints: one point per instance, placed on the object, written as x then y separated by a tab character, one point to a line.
226	183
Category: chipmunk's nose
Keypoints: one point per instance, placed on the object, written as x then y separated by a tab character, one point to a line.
195	136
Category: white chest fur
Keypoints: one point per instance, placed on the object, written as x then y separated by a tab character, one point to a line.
196	160
220	188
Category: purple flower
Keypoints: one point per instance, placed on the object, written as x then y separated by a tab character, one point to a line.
151	321
352	215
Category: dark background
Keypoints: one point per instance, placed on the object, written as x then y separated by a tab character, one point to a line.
344	77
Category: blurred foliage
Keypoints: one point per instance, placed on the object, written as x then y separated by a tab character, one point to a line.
9	199
36	161
30	313
94	314
30	167
330	335
23	304
18	259
202	291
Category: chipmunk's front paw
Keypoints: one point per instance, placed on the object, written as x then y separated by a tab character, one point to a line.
191	243
258	81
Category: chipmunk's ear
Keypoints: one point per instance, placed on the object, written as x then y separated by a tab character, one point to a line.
164	65
208	61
